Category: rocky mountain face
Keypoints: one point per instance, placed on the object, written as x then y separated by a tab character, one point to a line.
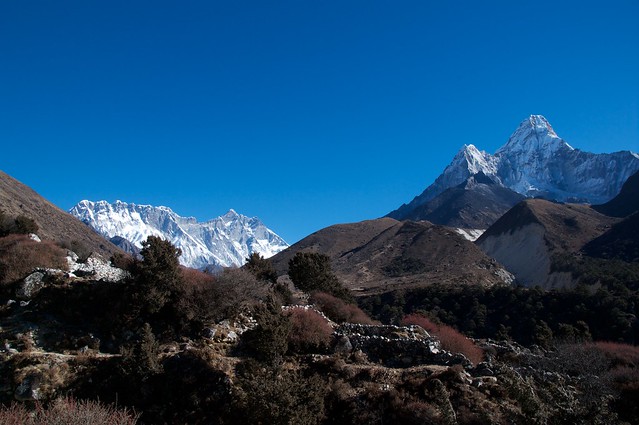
221	242
527	239
386	254
535	162
626	202
53	223
476	203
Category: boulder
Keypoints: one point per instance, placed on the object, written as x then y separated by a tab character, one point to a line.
30	286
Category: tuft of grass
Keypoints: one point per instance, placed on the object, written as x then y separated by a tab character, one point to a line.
67	411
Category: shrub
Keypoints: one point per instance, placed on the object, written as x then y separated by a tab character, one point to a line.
271	396
67	411
212	298
19	256
141	359
449	337
339	311
619	354
25	225
268	341
310	332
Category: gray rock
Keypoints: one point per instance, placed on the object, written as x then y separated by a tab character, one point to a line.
28	390
343	345
30	286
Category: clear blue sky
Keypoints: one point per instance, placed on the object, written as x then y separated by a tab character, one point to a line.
302	113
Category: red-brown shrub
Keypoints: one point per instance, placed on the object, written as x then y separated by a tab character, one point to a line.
19	255
209	297
310	332
619	354
67	411
449	337
338	310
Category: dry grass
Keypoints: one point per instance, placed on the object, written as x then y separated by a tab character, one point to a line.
67	411
19	255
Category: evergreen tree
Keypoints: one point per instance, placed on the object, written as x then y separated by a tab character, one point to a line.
311	271
261	268
158	275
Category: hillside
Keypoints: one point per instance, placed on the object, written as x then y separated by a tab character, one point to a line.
385	254
626	202
54	224
475	204
526	238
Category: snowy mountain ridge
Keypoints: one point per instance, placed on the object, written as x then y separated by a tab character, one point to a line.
224	241
536	162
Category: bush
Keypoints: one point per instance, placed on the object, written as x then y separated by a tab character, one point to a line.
67	411
339	311
271	396
20	255
25	225
450	338
310	332
268	341
210	298
141	359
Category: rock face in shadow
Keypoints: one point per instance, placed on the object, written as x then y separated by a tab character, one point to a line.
474	204
626	202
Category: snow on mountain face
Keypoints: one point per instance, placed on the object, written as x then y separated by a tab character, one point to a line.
537	162
224	241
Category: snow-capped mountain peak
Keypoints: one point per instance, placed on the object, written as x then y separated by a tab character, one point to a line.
221	242
474	160
535	161
534	135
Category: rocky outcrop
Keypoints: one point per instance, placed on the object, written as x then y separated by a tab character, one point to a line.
95	267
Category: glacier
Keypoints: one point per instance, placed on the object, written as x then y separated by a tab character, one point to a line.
225	241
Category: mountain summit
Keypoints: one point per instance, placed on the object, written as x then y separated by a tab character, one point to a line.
221	242
536	162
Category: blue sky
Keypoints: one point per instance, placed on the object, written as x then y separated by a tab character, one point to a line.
304	114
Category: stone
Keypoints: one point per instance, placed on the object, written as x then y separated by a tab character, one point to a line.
30	286
343	345
28	390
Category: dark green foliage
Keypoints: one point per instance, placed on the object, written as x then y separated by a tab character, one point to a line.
158	278
140	359
274	396
401	266
20	225
529	316
261	268
268	341
311	271
25	225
